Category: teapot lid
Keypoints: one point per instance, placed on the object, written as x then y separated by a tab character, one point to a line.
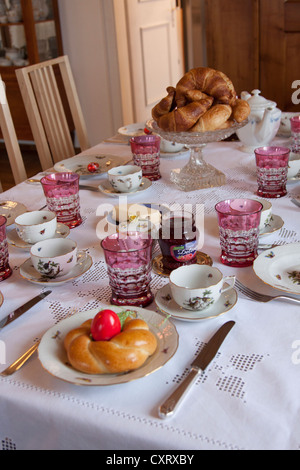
259	102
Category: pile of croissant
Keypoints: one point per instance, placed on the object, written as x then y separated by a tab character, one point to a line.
203	100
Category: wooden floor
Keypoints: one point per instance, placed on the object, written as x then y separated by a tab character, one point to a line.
31	162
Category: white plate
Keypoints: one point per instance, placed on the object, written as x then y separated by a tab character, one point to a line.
28	272
53	357
181	153
11	210
279	267
275	224
133	130
62	231
168	306
106	188
79	164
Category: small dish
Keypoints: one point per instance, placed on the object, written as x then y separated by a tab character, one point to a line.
276	223
106	188
169	307
158	267
27	271
11	210
132	130
62	231
180	153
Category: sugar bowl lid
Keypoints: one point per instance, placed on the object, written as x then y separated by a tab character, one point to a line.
256	101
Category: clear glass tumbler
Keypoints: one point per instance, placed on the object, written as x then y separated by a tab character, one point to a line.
146	154
239	221
5	269
272	170
295	130
62	196
128	260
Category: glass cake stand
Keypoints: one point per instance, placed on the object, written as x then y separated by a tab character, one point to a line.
197	174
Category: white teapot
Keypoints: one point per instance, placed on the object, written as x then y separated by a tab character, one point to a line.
264	122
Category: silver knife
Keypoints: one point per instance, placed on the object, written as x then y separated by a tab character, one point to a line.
297	203
171	404
19	311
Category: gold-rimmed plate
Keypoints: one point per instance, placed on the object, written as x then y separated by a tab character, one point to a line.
11	210
53	356
1	299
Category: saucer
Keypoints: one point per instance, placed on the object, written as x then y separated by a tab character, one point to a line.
62	231
11	210
28	272
106	188
168	306
158	268
275	224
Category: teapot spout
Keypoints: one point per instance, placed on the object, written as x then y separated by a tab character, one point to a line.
264	127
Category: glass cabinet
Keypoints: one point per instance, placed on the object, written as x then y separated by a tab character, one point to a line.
30	33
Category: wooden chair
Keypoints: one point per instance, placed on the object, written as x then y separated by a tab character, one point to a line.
47	88
10	138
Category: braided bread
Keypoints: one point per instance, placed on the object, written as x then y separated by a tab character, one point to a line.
126	351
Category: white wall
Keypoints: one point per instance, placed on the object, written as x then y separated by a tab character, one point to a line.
88	34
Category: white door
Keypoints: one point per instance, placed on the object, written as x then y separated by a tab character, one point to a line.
150	48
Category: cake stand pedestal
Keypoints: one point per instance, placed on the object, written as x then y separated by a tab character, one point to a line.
196	174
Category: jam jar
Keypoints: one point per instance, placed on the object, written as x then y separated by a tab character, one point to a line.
178	240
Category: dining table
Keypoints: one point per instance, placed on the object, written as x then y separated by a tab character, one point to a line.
248	396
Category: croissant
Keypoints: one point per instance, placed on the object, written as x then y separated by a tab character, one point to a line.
214	118
165	105
126	351
182	119
241	110
208	81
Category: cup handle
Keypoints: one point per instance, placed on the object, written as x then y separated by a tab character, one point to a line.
230	280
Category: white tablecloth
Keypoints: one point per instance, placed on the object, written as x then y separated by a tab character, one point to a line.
248	398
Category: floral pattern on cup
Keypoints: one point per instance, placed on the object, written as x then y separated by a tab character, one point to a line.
36	226
197	287
125	178
55	257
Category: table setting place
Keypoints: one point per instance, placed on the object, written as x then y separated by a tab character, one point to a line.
150	299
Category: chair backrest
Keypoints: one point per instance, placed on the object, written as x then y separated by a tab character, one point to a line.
10	138
45	88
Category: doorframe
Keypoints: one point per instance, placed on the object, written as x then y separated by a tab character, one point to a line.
124	61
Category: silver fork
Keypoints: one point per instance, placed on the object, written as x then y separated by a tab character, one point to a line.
262	297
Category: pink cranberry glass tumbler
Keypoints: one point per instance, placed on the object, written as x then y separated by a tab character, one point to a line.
5	269
128	260
145	150
62	195
272	170
239	221
295	130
